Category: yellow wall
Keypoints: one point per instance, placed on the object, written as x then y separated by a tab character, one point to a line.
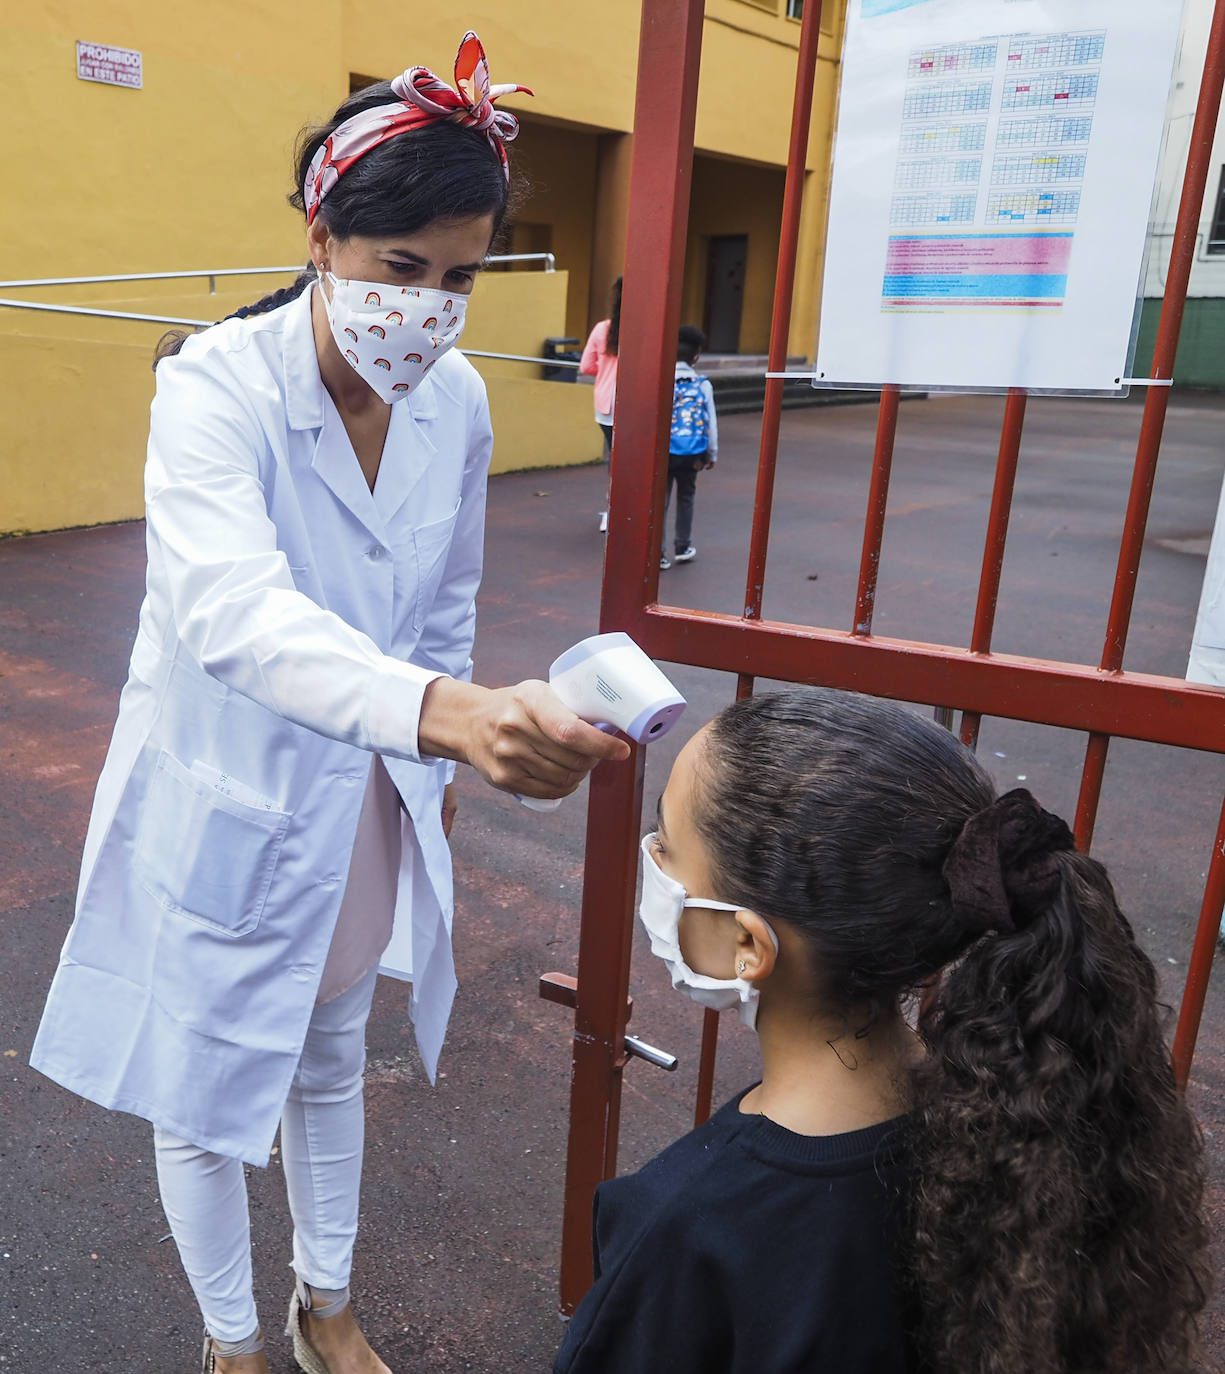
579	58
581	61
558	169
192	171
76	393
755	210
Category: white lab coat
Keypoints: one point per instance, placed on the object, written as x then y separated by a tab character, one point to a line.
291	623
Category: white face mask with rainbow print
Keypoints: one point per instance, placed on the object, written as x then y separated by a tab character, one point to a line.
392	335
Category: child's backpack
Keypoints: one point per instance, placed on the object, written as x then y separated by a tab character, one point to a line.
690	422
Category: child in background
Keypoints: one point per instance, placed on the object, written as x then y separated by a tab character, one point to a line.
600	361
1014	1189
694	442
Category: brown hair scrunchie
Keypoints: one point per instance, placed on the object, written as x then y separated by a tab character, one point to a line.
1001	870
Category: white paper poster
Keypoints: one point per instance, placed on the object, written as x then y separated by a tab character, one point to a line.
993	177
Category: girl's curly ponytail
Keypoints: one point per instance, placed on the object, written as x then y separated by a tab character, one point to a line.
1056	1222
1057	1216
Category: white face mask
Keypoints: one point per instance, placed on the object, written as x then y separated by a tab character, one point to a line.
392	335
663	903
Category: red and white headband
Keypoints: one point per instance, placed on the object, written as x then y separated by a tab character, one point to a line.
424	99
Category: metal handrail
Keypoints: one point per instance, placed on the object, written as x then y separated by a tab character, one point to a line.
212	273
520	358
106	314
549	259
205	324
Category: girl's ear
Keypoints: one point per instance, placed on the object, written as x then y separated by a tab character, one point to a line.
755	952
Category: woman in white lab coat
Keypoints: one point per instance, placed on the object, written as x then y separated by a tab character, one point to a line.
269	826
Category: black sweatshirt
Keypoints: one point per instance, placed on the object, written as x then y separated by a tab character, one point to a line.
747	1249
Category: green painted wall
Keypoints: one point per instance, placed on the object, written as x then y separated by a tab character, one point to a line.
1201	346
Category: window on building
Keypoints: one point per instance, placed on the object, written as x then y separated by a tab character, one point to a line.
795	9
1216	235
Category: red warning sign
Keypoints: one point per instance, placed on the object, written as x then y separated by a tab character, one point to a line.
112	66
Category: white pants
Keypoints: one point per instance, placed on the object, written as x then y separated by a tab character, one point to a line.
322	1134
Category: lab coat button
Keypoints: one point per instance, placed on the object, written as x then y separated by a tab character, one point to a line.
376	551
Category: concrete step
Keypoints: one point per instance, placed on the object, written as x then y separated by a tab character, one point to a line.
748	363
745	392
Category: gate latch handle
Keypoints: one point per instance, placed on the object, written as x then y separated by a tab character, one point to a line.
639	1049
562	988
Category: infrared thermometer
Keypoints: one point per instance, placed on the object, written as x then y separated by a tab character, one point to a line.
613	685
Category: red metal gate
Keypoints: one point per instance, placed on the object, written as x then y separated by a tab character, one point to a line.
1102	700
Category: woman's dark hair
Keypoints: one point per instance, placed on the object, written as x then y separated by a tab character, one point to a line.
613	342
442	171
1055	1221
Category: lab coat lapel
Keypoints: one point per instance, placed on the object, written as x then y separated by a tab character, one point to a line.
308	406
336	464
408	450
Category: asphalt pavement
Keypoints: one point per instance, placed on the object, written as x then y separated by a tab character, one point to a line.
457	1257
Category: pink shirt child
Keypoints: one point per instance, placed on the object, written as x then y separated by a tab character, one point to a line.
599	363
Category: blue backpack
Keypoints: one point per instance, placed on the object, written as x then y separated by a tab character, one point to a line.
690	422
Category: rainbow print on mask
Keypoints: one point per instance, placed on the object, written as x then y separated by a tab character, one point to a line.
363	329
446	309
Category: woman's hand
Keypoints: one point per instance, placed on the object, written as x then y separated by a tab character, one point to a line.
519	739
449	807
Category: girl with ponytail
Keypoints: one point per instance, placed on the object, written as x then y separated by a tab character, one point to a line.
1011	1187
270	827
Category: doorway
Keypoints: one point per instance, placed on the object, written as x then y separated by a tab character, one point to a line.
728	257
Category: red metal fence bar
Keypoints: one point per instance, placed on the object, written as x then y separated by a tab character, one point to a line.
1101	701
772	411
996	540
706	1066
784	290
1148	450
1091	776
878	501
660	175
1069	695
1207	929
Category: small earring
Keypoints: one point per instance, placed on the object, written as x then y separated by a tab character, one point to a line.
741	966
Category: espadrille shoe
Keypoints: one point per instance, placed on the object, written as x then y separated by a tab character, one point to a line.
208	1361
308	1358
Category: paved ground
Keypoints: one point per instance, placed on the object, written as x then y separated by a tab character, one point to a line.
456	1261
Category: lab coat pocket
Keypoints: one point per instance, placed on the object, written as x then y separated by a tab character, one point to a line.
204	852
431	544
